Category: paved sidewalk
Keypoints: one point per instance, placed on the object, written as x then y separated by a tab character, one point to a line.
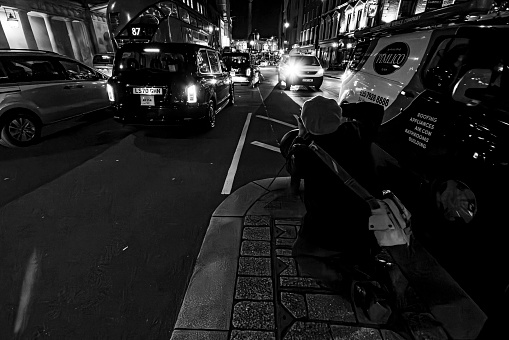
246	284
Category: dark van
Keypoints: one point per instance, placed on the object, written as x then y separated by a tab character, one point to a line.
168	84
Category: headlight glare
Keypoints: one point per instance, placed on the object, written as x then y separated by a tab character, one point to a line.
293	70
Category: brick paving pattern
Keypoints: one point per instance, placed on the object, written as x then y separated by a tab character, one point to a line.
276	299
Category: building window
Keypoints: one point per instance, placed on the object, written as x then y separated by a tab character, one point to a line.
335	25
407	8
184	15
359	18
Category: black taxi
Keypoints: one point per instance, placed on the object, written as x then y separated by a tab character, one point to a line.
168	84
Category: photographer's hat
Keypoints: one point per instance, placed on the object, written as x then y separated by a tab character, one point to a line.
321	115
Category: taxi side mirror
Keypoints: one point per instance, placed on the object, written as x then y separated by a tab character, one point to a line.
471	87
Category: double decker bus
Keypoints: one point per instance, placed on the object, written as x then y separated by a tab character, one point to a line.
181	21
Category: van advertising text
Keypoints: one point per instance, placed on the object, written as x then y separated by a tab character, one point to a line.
423	127
366	95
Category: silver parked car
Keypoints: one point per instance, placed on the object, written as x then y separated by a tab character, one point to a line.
38	88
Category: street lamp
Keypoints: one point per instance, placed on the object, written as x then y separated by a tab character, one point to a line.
286	25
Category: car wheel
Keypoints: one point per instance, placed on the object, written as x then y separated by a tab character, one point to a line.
231	100
210	119
20	129
287	86
455	200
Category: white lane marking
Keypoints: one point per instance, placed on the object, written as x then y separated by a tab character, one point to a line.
277	121
266	146
26	292
228	183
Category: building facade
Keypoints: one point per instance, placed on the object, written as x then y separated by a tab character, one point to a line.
325	27
225	24
61	26
76	30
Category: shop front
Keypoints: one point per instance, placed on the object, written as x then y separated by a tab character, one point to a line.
334	53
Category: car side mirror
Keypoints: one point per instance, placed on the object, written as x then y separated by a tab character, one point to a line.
472	86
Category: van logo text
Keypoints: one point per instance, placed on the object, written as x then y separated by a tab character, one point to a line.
391	58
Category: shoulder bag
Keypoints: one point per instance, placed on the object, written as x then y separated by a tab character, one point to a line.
389	220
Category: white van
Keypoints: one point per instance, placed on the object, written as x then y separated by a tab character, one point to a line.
446	97
443	146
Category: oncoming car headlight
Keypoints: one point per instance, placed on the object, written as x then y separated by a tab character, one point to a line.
320	72
191	94
293	70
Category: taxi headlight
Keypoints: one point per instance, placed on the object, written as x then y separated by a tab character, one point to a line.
111	92
320	72
191	94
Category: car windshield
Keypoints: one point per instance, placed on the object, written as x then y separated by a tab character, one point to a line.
151	59
304	61
236	59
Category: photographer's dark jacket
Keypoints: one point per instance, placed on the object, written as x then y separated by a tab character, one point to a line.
336	218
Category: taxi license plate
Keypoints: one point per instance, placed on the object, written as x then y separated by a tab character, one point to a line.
147	100
307	80
148	90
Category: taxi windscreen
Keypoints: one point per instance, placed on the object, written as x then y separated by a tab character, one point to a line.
147	59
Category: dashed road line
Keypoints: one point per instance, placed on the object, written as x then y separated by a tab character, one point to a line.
228	183
277	121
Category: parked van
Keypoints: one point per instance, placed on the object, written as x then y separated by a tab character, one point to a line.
445	92
443	146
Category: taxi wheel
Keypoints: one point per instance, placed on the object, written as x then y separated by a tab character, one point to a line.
210	119
287	86
231	100
20	129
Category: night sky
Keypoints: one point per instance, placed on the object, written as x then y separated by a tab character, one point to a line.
265	17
